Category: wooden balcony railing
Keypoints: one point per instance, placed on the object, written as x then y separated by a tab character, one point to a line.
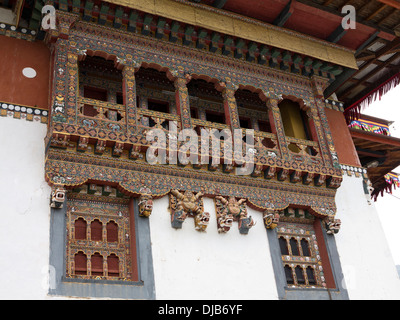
112	117
96	113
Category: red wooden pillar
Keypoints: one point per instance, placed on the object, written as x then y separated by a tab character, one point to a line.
132	239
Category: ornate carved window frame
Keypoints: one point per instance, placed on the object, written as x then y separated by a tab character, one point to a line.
324	259
60	284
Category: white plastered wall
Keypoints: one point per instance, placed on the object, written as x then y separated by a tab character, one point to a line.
365	257
189	264
24	210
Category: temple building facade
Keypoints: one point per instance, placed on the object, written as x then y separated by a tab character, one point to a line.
176	149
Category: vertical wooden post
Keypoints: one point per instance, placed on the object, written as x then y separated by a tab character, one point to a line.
182	100
230	107
277	127
129	96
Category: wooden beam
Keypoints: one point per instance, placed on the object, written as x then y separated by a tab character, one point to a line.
19	6
348	73
381	66
386	17
366	56
337	12
392	3
336	35
368	42
380	9
186	12
284	15
370	153
219	3
327	2
380	138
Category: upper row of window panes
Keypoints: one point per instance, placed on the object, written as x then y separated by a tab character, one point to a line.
294	119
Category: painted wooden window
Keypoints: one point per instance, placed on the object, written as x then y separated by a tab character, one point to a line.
80	229
80	263
252	110
96	228
112	232
100	80
100	243
97	264
113	265
300	253
155	98
295	120
100	90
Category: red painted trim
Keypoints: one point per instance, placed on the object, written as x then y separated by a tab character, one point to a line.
135	272
323	252
374	137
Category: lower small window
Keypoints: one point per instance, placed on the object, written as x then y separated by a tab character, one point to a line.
299	250
99	241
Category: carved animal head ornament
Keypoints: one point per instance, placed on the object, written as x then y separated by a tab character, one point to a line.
229	210
57	197
332	225
145	202
201	221
145	205
271	219
224	222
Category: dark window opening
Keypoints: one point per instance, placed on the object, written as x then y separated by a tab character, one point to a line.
120	98
194	113
204	90
215	117
245	123
289	275
294	247
159	106
264	126
95	93
300	275
310	276
305	247
268	143
283	246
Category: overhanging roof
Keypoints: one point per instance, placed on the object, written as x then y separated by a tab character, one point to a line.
375	40
379	153
309	27
236	25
